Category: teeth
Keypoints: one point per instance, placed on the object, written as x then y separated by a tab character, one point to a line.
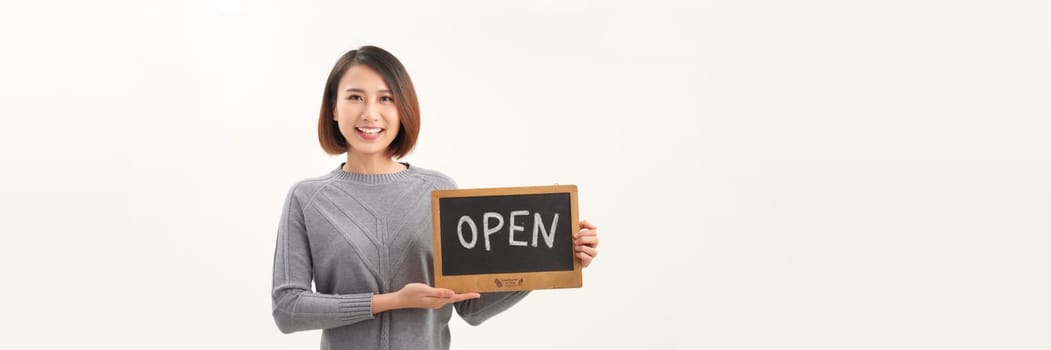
370	130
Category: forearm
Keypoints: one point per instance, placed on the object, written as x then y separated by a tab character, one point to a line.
385	302
298	309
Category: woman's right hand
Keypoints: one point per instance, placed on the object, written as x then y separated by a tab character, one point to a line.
420	296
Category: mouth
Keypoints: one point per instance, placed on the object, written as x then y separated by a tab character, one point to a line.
369	133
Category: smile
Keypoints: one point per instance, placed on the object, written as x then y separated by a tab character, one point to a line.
370	131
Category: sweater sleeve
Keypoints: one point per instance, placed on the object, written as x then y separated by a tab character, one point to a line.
476	311
296	306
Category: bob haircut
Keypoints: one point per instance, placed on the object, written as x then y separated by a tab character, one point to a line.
396	78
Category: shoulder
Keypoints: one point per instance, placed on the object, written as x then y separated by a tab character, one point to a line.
304	190
439	180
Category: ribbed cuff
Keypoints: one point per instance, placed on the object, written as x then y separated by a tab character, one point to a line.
356	307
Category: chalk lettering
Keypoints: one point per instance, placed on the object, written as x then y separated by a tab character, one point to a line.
511	232
474	232
538	227
489	230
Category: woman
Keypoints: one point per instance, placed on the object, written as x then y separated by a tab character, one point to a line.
362	232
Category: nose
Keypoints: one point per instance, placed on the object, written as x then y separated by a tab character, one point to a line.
369	112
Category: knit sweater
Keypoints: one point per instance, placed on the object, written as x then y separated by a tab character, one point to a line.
356	235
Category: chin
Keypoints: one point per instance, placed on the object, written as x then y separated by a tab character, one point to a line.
368	151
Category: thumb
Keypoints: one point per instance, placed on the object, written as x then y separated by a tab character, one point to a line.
443	293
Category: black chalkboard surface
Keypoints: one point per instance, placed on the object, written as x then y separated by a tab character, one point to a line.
502	239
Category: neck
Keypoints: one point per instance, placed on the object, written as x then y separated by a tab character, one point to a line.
371	164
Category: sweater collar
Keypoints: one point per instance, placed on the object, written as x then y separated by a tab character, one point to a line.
372	179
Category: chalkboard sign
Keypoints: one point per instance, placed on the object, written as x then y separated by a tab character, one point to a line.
505	239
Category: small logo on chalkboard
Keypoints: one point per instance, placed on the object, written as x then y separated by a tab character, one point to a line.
509	282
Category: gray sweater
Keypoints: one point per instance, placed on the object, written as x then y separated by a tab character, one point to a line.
356	235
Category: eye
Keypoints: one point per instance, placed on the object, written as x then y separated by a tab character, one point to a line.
386	99
354	97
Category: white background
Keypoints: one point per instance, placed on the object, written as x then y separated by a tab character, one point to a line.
765	174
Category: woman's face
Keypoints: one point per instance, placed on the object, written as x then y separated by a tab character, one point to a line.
365	111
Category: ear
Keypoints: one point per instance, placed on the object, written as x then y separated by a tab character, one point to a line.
335	110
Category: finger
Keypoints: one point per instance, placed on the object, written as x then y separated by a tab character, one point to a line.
585	233
468	295
456	298
585	259
586	240
438	303
443	293
465	296
452	300
586	228
592	252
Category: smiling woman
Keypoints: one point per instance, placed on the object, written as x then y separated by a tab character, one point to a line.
370	95
362	233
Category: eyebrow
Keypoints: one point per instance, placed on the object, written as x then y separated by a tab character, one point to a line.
363	91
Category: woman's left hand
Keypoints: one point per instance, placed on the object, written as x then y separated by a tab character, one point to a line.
585	243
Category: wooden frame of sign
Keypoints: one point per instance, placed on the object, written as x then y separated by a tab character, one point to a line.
476	265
